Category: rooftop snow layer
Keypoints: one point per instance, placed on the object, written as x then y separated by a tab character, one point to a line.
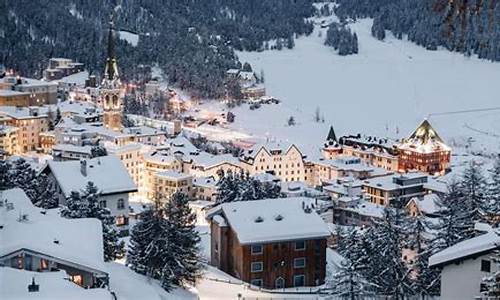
107	172
272	220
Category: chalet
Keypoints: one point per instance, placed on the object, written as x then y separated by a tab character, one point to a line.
41	241
114	189
465	264
427	206
272	243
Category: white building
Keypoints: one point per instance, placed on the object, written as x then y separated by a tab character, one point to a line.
109	175
464	265
39	240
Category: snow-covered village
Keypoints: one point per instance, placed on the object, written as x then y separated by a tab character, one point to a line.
246	150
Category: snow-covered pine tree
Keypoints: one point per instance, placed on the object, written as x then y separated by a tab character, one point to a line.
185	267
455	224
45	196
150	226
5	182
493	193
387	270
349	281
86	205
22	175
425	280
473	185
97	151
226	190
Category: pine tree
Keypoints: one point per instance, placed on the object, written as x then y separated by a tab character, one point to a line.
455	224
493	192
348	282
86	205
164	244
5	171
22	175
388	272
425	281
97	151
492	282
45	196
473	185
186	265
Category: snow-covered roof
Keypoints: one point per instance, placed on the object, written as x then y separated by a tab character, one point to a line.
11	93
206	182
24	112
429	204
475	245
207	160
272	220
77	78
266	177
279	148
397	181
367	208
173	175
53	285
40	230
107	172
72	148
424	140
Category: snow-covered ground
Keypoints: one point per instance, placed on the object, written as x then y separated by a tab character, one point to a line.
387	89
131	38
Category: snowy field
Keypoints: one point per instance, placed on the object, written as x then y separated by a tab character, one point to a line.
387	89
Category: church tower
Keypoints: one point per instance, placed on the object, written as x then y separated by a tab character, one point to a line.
110	91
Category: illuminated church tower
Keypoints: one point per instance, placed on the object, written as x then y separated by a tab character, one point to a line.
110	90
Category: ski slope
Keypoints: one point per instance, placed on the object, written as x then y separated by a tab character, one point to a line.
387	89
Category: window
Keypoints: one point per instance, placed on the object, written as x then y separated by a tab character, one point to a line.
256	249
256	267
299	280
279	283
485	266
102	203
120	204
256	282
44	264
300	245
299	263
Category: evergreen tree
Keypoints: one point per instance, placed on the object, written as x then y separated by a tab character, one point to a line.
247	67
425	281
45	193
5	182
492	282
388	272
291	121
473	184
455	224
348	282
86	205
185	266
22	175
241	187
164	244
97	151
493	192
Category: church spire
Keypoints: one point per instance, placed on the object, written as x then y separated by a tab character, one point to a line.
111	68
331	135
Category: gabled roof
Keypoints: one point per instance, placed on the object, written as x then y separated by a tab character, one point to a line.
474	246
272	220
425	133
38	232
107	172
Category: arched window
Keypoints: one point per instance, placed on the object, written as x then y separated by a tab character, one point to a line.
115	101
279	283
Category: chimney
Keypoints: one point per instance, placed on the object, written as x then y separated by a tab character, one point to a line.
83	167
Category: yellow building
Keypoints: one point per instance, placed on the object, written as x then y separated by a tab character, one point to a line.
8	141
30	121
132	157
167	183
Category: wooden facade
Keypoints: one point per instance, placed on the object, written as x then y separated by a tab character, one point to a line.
282	264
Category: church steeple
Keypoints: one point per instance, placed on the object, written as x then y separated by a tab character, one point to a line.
331	135
111	75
